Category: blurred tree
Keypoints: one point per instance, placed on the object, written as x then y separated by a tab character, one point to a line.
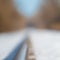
10	18
49	15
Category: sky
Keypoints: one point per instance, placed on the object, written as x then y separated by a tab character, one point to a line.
28	7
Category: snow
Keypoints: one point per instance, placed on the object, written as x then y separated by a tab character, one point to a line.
9	41
46	44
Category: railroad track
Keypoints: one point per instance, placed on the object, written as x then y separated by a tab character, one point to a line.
30	53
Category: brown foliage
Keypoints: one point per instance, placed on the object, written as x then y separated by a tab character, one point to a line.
49	15
10	19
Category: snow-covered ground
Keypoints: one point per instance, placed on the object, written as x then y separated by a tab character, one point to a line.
9	41
46	44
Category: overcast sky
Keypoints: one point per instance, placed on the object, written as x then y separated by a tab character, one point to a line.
28	6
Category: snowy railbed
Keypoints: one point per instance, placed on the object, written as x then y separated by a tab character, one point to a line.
46	44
